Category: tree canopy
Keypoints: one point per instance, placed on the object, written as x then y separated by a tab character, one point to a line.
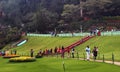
43	16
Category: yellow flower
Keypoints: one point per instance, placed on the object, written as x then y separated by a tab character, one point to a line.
22	59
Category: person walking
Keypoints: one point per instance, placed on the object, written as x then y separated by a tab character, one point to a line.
55	50
68	50
95	52
73	51
88	52
15	52
62	52
40	52
31	52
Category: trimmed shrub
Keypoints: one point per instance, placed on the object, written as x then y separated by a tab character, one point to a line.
10	56
38	55
22	59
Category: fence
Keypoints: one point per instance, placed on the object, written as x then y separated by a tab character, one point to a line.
82	56
110	33
60	35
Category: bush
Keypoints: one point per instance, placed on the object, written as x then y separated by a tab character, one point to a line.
22	59
10	56
38	55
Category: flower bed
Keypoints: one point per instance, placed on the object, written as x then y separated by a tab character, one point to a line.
10	56
22	59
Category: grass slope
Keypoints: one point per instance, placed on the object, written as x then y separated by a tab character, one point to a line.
106	45
38	43
56	65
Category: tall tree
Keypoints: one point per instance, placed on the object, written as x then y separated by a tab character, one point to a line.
71	15
93	8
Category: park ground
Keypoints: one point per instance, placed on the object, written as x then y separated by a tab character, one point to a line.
49	64
107	45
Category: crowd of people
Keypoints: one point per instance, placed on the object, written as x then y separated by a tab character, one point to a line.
61	50
55	51
8	52
95	32
69	52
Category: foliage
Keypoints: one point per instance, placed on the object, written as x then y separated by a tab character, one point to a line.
71	12
9	34
45	19
41	16
112	18
71	17
94	8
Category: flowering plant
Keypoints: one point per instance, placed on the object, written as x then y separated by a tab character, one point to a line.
10	56
22	59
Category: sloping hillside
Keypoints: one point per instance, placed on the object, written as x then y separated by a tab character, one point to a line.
38	43
106	45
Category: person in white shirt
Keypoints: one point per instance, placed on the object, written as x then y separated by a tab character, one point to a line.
73	50
88	52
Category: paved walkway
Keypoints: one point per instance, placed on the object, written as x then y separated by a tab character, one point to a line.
110	62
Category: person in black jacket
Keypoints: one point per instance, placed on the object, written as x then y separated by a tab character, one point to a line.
31	52
95	52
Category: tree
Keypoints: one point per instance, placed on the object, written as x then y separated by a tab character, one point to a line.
113	9
75	2
71	15
41	21
67	12
93	8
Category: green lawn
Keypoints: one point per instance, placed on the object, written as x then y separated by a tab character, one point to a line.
43	43
106	45
56	65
